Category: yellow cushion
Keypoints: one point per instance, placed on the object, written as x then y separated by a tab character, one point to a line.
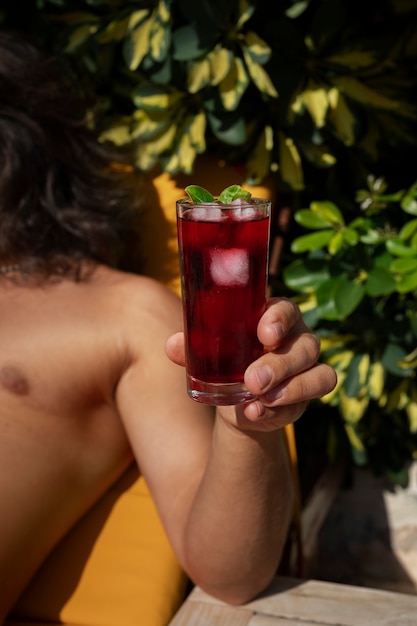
115	567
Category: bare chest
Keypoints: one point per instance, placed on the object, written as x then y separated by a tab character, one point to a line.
51	361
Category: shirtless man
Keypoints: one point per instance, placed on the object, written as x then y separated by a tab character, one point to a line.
86	385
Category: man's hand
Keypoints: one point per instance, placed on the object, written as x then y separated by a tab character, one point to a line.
285	378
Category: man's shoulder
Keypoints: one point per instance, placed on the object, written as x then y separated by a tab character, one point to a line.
131	285
134	295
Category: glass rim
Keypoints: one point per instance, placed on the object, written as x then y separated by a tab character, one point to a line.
248	203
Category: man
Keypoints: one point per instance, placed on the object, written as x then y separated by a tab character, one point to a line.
86	384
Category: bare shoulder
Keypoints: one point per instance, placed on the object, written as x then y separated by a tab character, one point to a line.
137	295
141	311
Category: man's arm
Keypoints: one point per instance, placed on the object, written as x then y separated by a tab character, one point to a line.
238	521
222	484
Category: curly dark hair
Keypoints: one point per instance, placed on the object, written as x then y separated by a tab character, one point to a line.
64	196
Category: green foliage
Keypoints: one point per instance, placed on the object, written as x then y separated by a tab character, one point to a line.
317	92
320	93
356	281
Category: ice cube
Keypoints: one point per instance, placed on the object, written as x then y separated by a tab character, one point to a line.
239	202
229	267
209	213
244	213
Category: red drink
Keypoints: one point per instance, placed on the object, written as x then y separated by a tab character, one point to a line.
223	253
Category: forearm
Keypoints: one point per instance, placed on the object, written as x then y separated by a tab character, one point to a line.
239	519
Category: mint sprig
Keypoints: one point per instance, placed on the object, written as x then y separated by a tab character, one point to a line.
234	192
199	195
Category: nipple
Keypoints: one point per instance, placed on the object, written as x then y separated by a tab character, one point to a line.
12	379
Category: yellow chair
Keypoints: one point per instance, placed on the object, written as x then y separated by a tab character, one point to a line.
116	567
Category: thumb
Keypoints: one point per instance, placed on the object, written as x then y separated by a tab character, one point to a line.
174	348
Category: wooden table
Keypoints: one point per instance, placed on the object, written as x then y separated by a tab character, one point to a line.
293	602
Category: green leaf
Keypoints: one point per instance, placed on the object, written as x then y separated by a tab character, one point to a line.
317	154
308	219
188	44
348	296
392	354
297	8
311	242
290	163
328	211
136	45
360	222
342	118
246	12
234	192
183	158
149	124
326	305
259	76
404	265
230	130
160	40
221	60
336	243
198	75
379	283
371	237
351	383
359	455
383	260
197	129
361	92
256	47
407	283
354	59
397	247
234	84
80	35
306	275
259	160
409	203
117	28
119	132
338	298
317	104
198	194
408	229
155	97
350	236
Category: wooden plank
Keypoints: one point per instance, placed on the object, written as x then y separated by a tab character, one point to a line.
330	604
209	613
268	620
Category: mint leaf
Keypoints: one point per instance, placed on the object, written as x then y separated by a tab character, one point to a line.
199	194
234	192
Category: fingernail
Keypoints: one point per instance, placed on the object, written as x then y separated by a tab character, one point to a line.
279	329
255	410
263	376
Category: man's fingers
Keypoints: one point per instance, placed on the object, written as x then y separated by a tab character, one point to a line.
257	417
174	348
313	383
280	319
297	354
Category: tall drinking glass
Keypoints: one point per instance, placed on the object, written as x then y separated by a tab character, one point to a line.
223	250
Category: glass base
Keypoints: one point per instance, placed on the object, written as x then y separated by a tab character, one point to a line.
218	394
